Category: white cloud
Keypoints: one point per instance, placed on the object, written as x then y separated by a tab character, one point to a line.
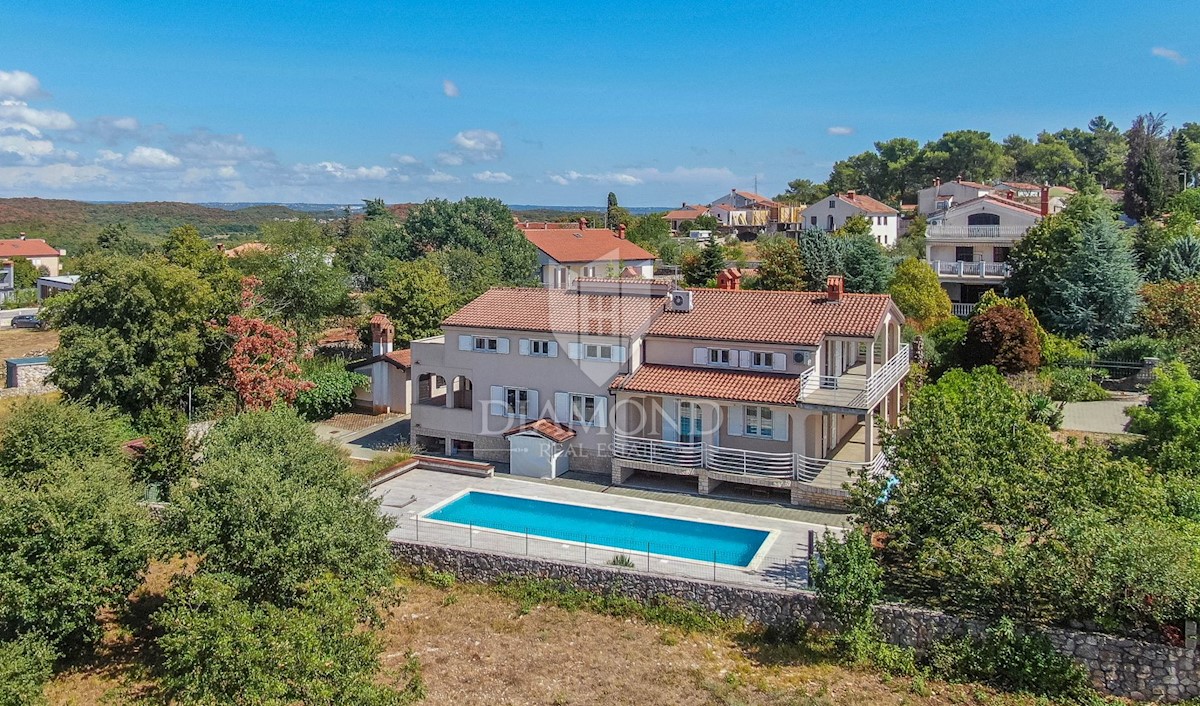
450	159
619	178
19	84
441	178
1169	54
109	156
52	176
450	88
341	172
207	146
19	111
480	144
406	159
28	149
493	177
560	180
684	175
152	158
840	130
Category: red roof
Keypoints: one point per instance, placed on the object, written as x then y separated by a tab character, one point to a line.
790	318
558	311
575	244
401	359
866	203
687	213
29	247
553	431
757	198
712	383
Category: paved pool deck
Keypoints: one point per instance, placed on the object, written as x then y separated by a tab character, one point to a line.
782	563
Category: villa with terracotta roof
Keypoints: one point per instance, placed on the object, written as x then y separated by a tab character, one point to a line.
968	242
568	251
36	250
778	391
832	212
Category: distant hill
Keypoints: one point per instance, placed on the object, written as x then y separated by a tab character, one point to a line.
75	224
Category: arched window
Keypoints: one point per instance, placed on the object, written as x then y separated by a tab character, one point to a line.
463	393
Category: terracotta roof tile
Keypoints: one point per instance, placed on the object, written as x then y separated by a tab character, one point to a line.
576	244
790	318
552	430
866	203
557	311
30	247
688	213
712	383
401	359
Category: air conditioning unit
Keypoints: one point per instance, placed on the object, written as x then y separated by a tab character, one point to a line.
681	300
802	357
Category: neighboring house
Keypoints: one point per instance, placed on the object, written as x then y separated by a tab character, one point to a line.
767	389
968	244
391	387
49	286
7	285
37	251
832	212
684	213
940	197
568	251
746	212
244	249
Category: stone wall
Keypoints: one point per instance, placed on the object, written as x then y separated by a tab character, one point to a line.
1118	666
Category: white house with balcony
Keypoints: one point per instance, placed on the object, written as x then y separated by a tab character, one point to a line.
942	196
832	212
968	245
778	391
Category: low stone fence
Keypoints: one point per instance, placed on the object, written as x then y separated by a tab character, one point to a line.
1118	666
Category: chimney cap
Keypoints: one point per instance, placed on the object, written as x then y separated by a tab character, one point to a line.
834	286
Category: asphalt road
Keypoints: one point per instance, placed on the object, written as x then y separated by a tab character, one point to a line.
6	315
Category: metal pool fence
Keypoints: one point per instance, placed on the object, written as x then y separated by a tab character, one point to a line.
784	567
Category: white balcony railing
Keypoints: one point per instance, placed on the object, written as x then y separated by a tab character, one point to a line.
981	270
722	459
851	390
940	232
962	311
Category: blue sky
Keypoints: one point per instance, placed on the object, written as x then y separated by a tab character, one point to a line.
546	102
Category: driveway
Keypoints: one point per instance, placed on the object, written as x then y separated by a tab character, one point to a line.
1105	417
365	441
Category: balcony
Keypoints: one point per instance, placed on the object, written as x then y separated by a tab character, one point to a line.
958	269
962	311
942	232
853	389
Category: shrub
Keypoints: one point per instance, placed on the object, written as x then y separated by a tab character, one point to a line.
917	292
622	561
1136	348
25	667
1043	410
848	580
1074	385
1011	659
1003	337
332	389
943	344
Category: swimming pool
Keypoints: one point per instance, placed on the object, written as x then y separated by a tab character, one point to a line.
685	539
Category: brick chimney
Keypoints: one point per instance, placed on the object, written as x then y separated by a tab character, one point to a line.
1010	195
729	278
22	235
1045	200
850	194
582	223
382	335
834	286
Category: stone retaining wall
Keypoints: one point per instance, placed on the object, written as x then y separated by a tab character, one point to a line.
1118	666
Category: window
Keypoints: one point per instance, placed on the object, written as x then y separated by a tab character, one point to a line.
883	221
516	402
719	356
583	410
691	424
486	345
833	204
539	347
813	220
999	254
759	359
964	254
595	351
759	422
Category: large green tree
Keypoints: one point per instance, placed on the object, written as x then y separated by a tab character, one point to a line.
1151	167
417	297
478	224
918	293
780	267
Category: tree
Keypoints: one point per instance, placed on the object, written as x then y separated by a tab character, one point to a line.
1095	294
262	363
702	270
707	222
970	154
417	297
802	192
332	389
919	295
1170	309
780	266
1178	261
25	275
478	224
866	266
26	665
912	243
133	333
298	284
1002	337
653	232
1170	421
821	253
848	581
855	225
1150	167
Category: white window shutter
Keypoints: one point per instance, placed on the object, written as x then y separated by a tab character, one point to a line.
734	420
502	345
670	428
562	407
743	359
466	343
779	361
534	410
523	346
700	356
574	350
552	351
620	354
602	412
779	425
496	405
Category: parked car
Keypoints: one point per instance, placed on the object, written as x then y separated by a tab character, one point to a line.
28	321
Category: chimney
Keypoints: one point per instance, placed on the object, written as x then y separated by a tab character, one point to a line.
1010	195
220	247
834	285
937	181
1045	200
684	205
382	333
850	194
621	231
729	278
582	223
22	235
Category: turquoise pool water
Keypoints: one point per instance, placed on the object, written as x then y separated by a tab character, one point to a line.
686	539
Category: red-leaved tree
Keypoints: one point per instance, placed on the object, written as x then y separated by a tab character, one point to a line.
263	360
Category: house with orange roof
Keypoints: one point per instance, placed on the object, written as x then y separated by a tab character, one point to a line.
778	391
968	243
942	196
37	251
685	213
832	212
568	251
